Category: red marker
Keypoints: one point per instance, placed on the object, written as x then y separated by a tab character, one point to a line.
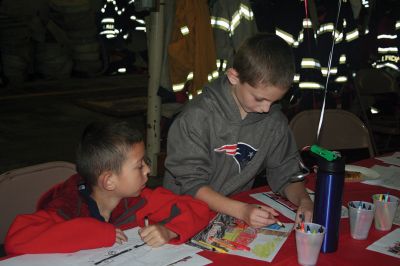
238	245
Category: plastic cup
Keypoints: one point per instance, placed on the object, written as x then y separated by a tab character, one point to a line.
361	214
308	243
385	209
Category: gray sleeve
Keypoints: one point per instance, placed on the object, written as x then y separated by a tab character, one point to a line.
188	155
283	160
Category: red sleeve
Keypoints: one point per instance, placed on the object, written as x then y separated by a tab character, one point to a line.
183	214
46	232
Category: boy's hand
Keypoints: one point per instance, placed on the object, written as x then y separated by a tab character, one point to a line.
258	216
120	236
156	235
305	211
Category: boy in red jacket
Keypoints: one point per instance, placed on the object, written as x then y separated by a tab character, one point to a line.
108	195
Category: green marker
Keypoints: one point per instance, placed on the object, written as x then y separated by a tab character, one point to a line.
327	154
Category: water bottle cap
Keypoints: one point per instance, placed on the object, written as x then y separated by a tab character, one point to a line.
335	166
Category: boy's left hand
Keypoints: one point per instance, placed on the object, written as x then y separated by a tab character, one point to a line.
156	235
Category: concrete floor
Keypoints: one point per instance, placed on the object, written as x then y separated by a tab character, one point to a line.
42	122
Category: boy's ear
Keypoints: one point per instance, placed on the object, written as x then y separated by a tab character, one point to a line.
233	76
107	180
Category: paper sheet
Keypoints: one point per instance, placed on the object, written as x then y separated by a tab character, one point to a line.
194	260
389	177
393	159
284	206
263	243
141	256
389	244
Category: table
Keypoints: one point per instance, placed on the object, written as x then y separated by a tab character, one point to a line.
350	252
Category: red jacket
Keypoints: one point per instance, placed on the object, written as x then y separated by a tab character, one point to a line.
63	221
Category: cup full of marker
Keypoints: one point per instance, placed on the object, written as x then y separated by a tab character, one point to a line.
385	209
309	237
361	214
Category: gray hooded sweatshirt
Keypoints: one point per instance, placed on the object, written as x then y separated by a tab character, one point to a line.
209	144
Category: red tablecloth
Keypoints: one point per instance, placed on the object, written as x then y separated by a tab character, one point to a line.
350	251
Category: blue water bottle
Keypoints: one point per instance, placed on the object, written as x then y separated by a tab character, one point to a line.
328	198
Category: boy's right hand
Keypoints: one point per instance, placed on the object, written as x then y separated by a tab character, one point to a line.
258	216
120	236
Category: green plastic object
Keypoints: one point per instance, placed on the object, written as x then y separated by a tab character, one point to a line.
324	153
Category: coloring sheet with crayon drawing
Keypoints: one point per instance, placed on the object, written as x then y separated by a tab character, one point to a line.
389	244
233	236
124	254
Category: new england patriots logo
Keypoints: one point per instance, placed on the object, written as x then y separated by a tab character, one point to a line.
241	152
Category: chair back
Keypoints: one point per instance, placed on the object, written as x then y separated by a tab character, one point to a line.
20	189
340	130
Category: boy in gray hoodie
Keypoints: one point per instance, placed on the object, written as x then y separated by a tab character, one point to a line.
233	131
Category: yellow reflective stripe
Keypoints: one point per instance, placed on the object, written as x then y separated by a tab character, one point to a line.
352	35
190	96
397	25
310	85
386	50
220	23
338	36
286	36
178	87
310	63
189	76
342	59
235	20
324	71
341	79
107	20
215	74
307	23
387	64
218	63
344	23
224	64
244	12
386	36
327	27
184	30
296	78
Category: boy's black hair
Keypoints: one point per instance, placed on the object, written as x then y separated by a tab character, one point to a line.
265	59
104	147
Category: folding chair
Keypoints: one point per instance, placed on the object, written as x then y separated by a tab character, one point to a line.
373	85
341	130
21	188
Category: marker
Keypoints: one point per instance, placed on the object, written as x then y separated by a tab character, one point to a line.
113	256
222	243
214	248
146	221
280	224
238	245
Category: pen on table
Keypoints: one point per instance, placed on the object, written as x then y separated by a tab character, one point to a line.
113	256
